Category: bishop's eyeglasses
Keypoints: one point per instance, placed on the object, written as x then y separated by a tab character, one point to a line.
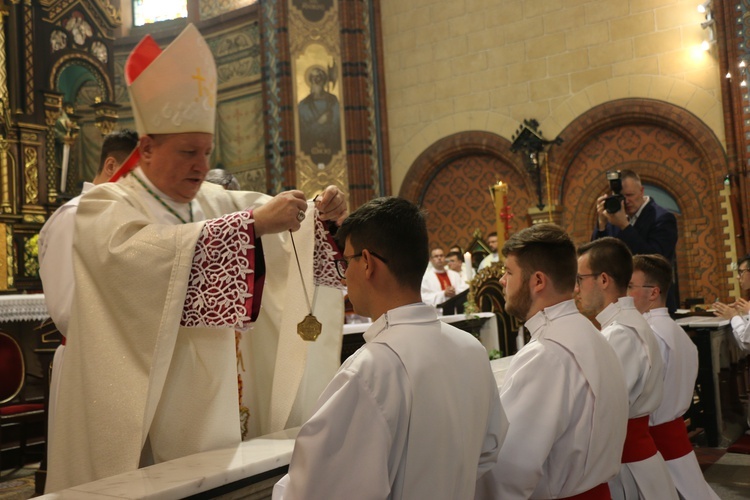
343	264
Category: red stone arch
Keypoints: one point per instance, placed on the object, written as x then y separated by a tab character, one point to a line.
668	147
451	180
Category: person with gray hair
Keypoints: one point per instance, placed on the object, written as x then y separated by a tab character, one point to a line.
223	178
642	224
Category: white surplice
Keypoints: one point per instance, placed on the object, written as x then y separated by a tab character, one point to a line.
432	292
137	387
58	282
680	358
637	349
566	403
413	414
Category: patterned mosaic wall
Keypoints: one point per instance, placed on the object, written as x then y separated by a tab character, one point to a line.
669	147
458	200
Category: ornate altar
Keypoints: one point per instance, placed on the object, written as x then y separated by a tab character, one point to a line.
486	293
58	82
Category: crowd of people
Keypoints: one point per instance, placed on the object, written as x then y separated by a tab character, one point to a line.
161	269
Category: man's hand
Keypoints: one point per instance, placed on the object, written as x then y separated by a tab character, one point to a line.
450	292
617	219
726	311
280	213
743	306
331	205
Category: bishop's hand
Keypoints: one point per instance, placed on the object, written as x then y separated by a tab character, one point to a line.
280	213
332	205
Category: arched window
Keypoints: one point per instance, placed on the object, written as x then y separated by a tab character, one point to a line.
152	11
662	198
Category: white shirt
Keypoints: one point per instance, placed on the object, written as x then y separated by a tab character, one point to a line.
566	403
741	331
636	346
629	334
404	417
680	357
432	293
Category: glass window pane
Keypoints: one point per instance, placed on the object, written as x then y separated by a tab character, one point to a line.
151	11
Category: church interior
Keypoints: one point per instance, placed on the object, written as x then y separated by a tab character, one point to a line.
435	101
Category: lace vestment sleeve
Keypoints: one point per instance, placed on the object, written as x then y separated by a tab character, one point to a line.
221	285
324	256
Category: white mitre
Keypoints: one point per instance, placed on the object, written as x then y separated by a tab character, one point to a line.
173	91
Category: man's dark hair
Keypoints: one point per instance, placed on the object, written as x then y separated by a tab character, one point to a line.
395	229
744	259
118	145
454	254
612	256
546	248
493	233
656	269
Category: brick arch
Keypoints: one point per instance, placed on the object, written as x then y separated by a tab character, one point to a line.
668	147
451	180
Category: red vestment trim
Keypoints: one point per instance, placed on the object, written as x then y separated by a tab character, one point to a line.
600	492
142	56
639	445
671	439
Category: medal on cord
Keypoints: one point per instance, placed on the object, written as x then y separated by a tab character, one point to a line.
309	328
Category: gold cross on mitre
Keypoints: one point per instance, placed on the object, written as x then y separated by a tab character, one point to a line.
202	86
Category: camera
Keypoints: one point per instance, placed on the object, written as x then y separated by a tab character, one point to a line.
613	203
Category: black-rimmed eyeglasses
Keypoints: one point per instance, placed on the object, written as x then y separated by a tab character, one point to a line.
343	264
579	277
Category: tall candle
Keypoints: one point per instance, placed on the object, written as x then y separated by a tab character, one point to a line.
469	267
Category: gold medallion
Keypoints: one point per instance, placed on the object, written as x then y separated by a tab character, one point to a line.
309	328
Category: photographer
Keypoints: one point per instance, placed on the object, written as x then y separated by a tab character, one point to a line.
644	226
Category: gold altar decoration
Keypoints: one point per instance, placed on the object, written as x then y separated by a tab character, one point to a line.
31	171
106	116
503	215
6	258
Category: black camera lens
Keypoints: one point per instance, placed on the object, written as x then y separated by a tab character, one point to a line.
613	203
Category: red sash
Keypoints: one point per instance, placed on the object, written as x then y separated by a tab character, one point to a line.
639	445
600	492
671	439
444	280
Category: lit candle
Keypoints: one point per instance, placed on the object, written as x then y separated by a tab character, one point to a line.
469	267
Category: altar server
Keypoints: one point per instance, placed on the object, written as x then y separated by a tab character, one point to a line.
564	392
414	413
652	276
605	267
